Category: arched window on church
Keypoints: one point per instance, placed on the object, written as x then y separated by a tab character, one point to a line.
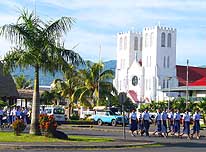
168	62
125	42
163	85
141	44
164	62
146	40
136	43
169	40
163	39
151	39
120	43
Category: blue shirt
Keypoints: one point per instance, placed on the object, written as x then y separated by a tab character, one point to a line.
186	117
177	116
164	116
146	116
133	116
196	116
158	117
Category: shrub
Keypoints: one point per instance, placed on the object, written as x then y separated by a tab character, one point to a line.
18	126
48	125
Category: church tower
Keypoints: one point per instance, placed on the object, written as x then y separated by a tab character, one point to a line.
158	61
129	49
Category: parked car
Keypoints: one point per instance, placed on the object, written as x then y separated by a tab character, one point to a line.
57	111
108	117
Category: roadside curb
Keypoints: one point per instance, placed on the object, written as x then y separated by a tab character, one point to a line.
115	144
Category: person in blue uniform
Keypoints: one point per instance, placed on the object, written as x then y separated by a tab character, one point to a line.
196	124
177	122
158	123
146	121
186	124
133	122
140	123
164	116
171	121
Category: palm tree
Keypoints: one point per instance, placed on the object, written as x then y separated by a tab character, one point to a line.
202	106
38	44
68	86
96	84
21	82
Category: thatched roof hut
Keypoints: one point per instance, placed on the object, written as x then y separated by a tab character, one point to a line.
7	85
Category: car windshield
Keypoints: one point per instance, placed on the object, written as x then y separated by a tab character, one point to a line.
58	111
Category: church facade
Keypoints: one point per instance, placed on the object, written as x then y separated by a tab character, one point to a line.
146	63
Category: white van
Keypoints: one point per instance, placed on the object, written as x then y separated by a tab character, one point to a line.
56	111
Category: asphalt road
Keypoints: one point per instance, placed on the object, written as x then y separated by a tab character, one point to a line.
170	144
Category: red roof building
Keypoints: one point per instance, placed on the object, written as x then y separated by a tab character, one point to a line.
196	75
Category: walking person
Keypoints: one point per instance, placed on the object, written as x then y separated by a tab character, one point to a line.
186	124
158	123
1	116
196	124
133	122
164	123
140	123
146	121
177	122
171	121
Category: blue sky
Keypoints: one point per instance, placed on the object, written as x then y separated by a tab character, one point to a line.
98	22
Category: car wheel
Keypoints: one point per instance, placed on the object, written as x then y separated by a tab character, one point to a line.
114	123
99	122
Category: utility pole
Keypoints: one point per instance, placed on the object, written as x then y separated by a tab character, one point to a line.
187	80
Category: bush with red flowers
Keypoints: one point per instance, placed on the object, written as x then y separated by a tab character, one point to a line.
18	125
47	124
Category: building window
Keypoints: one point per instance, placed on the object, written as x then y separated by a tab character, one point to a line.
141	44
146	40
169	40
151	39
164	62
167	83
147	61
125	43
168	62
136	43
120	43
150	61
163	85
163	39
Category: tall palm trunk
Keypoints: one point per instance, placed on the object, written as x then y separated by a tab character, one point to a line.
34	128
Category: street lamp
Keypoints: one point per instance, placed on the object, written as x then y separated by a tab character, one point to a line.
187	77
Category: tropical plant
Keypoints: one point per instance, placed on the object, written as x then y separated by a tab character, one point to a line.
38	44
18	125
67	87
202	106
47	125
21	82
96	84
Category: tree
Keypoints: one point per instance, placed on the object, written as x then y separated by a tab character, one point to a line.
38	44
202	106
67	87
21	82
96	84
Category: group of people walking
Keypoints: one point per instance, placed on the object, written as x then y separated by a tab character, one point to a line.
11	114
166	122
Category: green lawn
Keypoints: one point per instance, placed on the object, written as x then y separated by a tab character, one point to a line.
10	137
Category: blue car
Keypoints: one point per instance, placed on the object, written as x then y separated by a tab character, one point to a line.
108	117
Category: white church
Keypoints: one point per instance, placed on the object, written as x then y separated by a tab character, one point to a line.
146	63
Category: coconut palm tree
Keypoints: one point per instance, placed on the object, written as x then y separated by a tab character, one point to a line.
68	86
38	44
21	82
96	84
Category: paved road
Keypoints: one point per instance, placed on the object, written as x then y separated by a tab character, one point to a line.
171	144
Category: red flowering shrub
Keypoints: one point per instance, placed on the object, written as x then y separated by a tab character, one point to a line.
18	126
47	124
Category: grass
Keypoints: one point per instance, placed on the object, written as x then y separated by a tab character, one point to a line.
10	137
